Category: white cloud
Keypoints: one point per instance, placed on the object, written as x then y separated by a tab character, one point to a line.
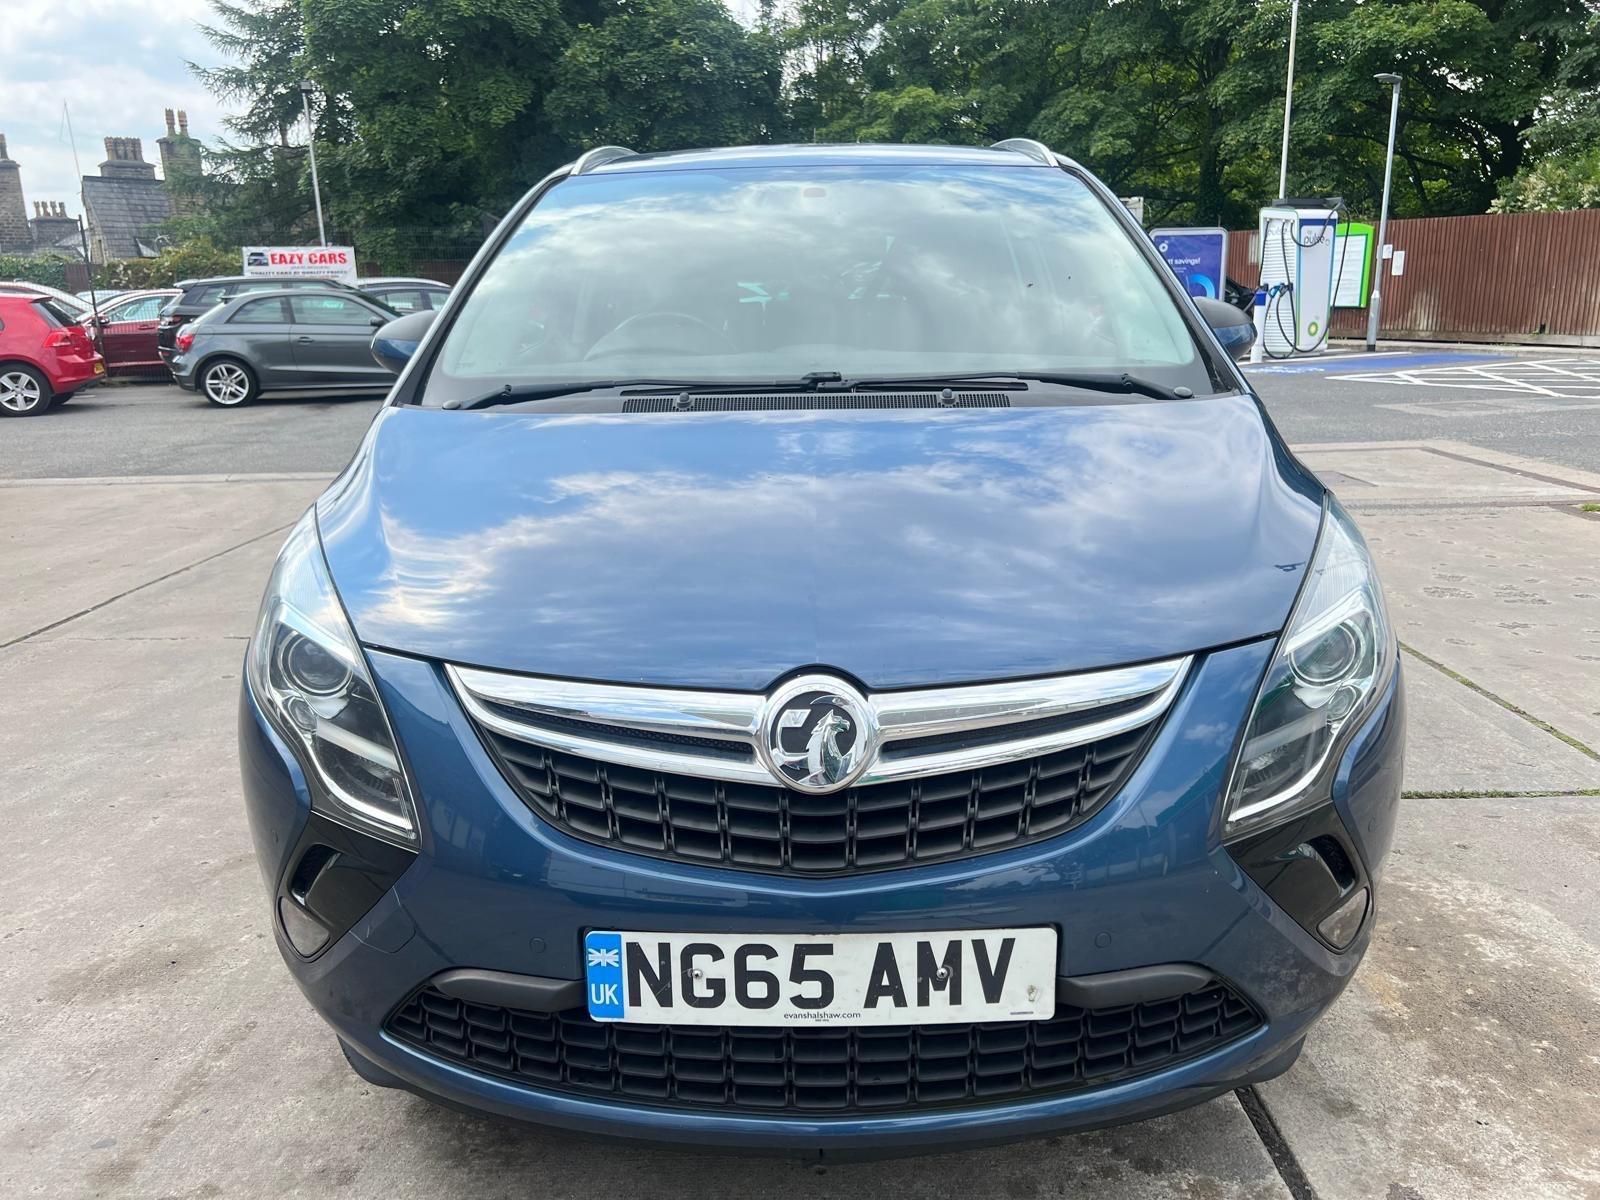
117	63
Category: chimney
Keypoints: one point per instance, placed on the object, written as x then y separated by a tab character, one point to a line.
125	159
50	224
181	165
14	231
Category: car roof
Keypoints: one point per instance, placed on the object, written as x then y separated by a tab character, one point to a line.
43	291
186	284
386	279
844	154
272	293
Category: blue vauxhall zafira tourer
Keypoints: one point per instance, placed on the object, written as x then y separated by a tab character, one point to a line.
822	652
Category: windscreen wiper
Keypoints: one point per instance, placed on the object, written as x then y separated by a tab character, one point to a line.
1123	384
531	393
527	393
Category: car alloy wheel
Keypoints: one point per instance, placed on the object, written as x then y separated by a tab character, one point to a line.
21	393
227	384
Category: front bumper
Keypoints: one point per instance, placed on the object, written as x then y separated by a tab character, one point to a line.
1145	882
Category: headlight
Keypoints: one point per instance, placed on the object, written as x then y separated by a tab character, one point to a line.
307	671
1333	660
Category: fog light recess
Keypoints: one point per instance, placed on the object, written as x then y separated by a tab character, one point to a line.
306	934
1339	927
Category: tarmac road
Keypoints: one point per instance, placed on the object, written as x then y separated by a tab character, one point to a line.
1544	404
145	429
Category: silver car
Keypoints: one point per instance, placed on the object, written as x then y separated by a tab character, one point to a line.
290	342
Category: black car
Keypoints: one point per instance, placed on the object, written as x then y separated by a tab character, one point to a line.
196	296
406	294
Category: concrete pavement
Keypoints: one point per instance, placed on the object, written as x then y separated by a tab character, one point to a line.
153	1045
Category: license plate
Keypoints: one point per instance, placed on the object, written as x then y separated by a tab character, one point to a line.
939	978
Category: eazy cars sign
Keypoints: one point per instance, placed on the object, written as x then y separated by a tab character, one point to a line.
331	262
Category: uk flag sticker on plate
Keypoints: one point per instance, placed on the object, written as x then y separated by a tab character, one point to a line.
602	959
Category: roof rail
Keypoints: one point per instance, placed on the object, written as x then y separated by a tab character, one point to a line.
1037	151
599	157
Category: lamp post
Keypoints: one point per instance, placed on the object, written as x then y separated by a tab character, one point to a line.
1375	302
306	88
1288	102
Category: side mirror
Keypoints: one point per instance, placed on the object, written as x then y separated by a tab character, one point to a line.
378	322
1236	330
397	340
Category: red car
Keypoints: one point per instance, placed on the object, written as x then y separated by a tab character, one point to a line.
125	330
44	357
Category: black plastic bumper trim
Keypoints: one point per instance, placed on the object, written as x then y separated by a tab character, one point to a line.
530	993
535	993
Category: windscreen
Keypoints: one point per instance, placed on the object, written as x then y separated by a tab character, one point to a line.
771	273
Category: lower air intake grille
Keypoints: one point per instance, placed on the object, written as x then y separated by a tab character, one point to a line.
821	1070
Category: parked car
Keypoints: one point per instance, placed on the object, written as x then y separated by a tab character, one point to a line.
1237	294
125	329
65	301
406	295
200	295
45	356
93	296
822	650
290	340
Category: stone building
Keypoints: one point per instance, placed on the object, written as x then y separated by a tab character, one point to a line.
124	206
54	229
15	236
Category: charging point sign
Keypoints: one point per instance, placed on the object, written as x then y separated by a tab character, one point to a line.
1198	257
1352	263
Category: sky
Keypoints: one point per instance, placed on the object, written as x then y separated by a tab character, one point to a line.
117	63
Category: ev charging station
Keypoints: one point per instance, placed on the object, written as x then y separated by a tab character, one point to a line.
1298	275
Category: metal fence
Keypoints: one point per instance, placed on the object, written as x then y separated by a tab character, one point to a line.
1503	277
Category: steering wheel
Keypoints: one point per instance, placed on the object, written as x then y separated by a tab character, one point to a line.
662	333
542	341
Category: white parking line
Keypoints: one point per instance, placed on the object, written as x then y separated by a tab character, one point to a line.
1552	378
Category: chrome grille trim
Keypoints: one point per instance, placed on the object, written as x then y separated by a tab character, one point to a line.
1140	693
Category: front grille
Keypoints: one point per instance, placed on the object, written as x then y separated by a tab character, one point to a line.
825	1070
776	829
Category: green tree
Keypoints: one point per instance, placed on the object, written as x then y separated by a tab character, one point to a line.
665	75
1565	171
1477	75
435	106
266	43
439	113
1181	100
260	189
